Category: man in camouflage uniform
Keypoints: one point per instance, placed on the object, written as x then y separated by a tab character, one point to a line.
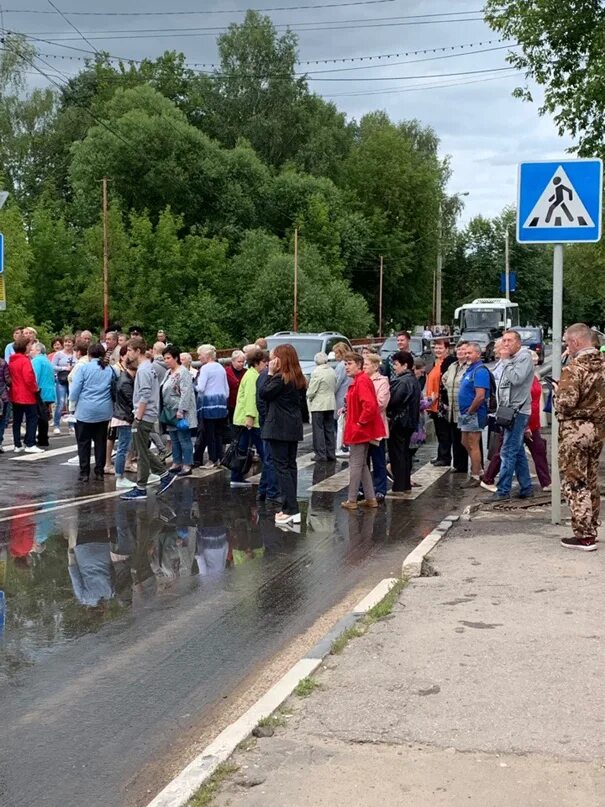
580	410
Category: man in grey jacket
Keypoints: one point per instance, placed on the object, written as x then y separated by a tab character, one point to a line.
514	391
146	407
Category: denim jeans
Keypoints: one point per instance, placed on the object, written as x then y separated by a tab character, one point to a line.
379	466
60	397
247	438
514	460
268	485
5	410
182	446
124	441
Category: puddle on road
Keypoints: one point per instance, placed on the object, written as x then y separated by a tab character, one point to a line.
68	572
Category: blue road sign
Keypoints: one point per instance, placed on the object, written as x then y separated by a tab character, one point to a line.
1	253
512	282
560	202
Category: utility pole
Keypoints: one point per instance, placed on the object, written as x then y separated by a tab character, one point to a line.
506	266
380	298
439	273
105	259
295	317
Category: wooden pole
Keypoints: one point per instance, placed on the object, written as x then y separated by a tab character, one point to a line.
380	297
105	259
295	316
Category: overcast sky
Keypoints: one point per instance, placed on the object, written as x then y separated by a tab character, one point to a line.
481	126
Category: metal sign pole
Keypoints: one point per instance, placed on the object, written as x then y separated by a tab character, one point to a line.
557	346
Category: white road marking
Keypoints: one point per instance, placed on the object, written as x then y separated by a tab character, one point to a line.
42	504
54	452
424	476
36	511
304	461
333	483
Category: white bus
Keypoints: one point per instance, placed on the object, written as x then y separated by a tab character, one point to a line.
494	314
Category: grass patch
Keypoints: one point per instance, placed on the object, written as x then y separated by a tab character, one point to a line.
386	605
210	788
248	744
354	632
274	721
305	687
381	610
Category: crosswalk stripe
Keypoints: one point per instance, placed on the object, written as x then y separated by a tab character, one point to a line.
424	476
304	461
333	483
54	452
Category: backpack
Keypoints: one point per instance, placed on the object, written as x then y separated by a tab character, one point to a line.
492	404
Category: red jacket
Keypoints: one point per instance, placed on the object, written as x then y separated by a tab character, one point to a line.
536	408
23	379
234	380
363	422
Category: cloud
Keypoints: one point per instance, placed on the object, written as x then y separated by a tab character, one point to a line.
482	127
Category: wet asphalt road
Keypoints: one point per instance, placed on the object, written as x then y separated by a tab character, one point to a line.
127	623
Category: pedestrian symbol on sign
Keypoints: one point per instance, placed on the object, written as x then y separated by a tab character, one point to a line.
559	205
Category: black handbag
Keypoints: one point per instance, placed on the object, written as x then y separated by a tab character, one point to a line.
234	459
505	416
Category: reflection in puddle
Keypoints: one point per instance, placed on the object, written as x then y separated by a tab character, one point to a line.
68	572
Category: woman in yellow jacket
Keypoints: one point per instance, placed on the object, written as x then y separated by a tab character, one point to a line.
245	416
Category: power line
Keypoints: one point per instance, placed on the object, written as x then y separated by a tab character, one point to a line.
225	11
397	91
68	21
301	27
381	60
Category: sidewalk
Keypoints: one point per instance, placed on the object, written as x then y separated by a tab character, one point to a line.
484	687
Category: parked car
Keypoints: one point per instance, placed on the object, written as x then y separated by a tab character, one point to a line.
533	338
420	348
307	345
483	338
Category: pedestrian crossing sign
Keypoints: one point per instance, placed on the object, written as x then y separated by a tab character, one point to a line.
560	202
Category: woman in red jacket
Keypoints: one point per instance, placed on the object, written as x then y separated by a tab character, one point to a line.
23	398
363	426
533	437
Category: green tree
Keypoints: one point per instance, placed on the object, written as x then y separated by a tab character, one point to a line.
562	50
17	265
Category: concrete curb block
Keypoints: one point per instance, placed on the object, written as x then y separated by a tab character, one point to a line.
412	565
178	792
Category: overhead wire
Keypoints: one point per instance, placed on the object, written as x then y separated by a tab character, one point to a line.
68	21
198	12
301	27
190	65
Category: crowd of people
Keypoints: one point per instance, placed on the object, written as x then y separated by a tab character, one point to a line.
135	405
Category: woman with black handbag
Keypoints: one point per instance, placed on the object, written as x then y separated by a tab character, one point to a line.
284	394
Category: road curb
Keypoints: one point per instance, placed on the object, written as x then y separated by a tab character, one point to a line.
412	565
178	792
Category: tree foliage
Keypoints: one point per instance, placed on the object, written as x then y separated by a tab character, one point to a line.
562	44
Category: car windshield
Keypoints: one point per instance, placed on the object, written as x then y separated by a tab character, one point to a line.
416	345
527	334
305	348
470	336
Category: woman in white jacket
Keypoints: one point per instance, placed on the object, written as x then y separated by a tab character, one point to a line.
321	398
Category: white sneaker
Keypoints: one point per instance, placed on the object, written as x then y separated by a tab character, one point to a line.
33	450
283	518
342	454
153	479
491	488
122	482
547	489
57	431
208	466
19	449
240	484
